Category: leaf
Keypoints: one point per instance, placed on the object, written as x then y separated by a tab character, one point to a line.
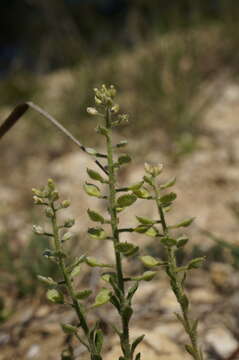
97	233
142	193
94	216
94	175
190	350
136	186
196	263
67	236
150	261
138	356
126	200
69	329
182	241
152	232
46	280
168	198
55	296
147	276
145	221
92	190
183	223
99	339
132	291
75	271
102	298
168	184
122	143
142	228
90	151
126	248
124	159
83	294
135	343
167	241
94	263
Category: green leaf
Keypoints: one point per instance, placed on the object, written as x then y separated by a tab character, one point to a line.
150	261
167	241
190	350
146	276
182	241
124	159
67	236
106	277
97	233
95	216
132	291
102	298
126	200
145	221
196	263
184	223
126	248
92	190
91	151
138	356
99	339
75	271
152	232
69	329
135	343
46	280
168	184
55	296
122	143
83	294
94	263
136	186
142	193
94	175
142	228
168	198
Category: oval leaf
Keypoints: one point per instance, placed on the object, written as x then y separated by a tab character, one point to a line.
150	261
92	190
102	298
94	216
55	296
97	233
126	200
94	175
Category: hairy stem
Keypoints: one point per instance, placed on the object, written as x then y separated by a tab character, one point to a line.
176	282
68	284
115	232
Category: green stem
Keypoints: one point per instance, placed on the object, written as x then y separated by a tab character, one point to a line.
176	283
69	286
112	202
125	343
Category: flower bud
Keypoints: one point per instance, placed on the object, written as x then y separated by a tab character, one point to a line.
49	212
38	230
69	223
65	204
92	111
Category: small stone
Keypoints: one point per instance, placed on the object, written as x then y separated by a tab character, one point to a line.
222	341
33	351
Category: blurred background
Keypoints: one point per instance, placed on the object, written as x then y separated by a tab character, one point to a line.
175	65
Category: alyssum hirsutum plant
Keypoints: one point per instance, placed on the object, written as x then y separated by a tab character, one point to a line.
117	287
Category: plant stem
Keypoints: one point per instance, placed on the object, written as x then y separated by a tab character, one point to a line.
69	286
176	282
125	343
